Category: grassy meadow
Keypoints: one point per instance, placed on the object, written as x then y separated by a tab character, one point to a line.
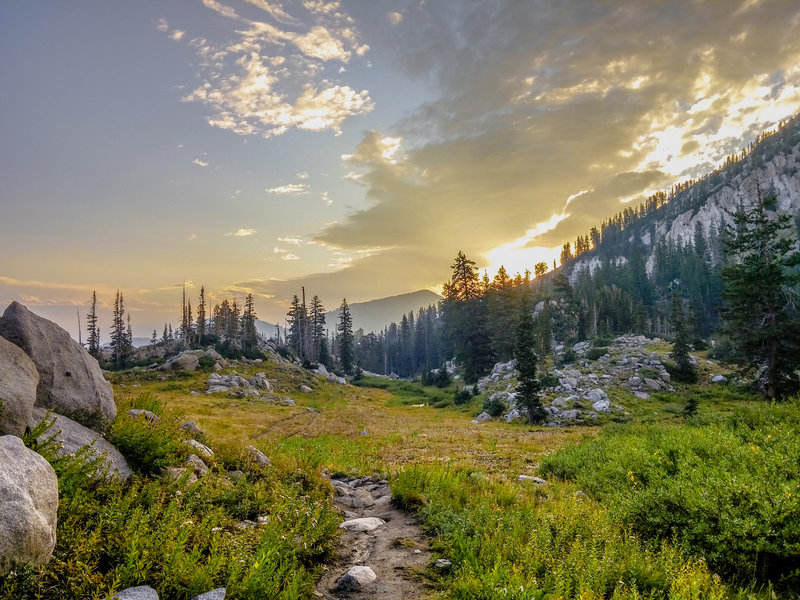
656	506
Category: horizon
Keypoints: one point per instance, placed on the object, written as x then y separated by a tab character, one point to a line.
254	148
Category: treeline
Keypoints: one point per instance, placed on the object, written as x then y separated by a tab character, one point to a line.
229	328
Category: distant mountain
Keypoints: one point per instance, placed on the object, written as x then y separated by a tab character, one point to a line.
268	330
377	314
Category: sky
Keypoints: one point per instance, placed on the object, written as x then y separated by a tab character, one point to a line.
353	147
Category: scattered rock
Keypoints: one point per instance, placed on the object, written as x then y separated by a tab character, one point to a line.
359	498
652	384
236	476
665	377
305	389
202	449
356	579
261	459
142	592
217	594
570	415
443	564
537	480
363	524
641	395
70	380
186	361
72	436
718	379
363	432
177	473
191	427
484	417
149	416
29	495
196	463
603	406
18	381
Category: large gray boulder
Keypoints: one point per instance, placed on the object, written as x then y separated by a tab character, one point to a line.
29	501
18	381
70	380
186	361
356	579
73	436
217	594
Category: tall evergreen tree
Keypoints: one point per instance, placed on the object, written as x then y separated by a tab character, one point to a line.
317	326
93	333
119	335
200	327
685	371
345	331
760	297
249	335
529	387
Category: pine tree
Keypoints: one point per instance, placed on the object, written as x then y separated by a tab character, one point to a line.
249	335
345	331
118	333
154	338
165	336
317	326
684	370
760	311
529	387
297	326
93	337
200	327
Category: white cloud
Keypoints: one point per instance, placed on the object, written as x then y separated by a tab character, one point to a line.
327	199
285	254
291	188
302	175
162	25
241	233
177	35
294	240
191	237
251	83
200	162
395	18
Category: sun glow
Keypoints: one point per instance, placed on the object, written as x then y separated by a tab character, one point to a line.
518	256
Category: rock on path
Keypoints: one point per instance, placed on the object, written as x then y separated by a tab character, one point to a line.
379	536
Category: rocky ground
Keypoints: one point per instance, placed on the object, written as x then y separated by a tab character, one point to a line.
588	386
382	551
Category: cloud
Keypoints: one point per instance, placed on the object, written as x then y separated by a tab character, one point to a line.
276	76
192	236
395	18
177	35
302	175
200	162
327	199
290	188
557	115
285	254
241	233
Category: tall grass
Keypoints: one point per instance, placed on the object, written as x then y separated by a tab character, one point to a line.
516	540
727	490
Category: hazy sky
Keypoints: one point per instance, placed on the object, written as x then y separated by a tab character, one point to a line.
352	147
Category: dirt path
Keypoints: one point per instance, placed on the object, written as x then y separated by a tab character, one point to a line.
396	551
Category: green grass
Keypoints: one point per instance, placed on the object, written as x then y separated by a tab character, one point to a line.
180	538
727	488
406	393
517	540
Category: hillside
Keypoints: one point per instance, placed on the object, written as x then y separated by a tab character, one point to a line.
377	314
770	167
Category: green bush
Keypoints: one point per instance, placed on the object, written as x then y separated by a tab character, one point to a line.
602	342
495	407
595	353
461	397
181	539
567	357
728	491
512	540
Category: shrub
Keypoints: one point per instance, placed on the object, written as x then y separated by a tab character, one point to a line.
495	407
602	342
567	357
721	489
461	396
595	353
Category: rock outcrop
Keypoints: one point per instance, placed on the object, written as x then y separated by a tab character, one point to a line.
70	380
72	436
141	592
29	501
18	381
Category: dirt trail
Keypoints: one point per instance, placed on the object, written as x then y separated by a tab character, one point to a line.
396	551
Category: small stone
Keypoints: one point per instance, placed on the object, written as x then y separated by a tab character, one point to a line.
305	389
443	564
150	417
362	524
261	459
202	449
236	476
718	379
356	579
363	432
141	592
191	427
196	463
217	594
